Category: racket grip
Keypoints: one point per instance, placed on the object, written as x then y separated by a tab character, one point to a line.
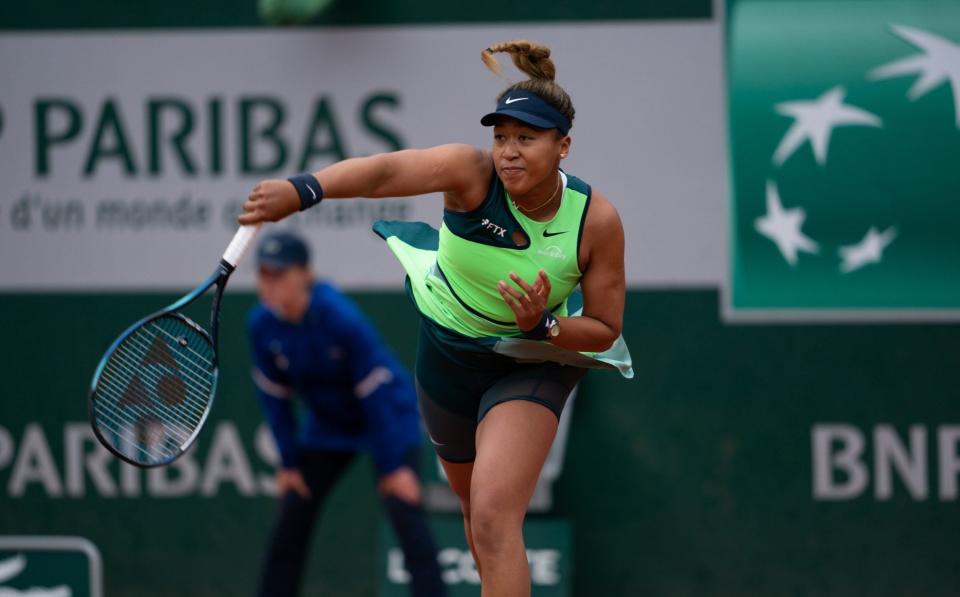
240	243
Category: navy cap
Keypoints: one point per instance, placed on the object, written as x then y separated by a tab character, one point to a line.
281	250
530	108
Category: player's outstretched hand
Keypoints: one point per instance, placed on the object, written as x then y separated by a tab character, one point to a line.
270	201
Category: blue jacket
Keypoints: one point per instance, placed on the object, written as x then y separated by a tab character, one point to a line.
356	395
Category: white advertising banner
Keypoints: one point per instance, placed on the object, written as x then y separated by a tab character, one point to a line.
124	157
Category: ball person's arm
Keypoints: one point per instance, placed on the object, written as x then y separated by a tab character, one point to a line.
375	385
275	395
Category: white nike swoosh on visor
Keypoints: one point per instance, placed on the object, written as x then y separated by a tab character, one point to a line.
510	100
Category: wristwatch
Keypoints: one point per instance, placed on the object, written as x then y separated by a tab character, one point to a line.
554	330
548	328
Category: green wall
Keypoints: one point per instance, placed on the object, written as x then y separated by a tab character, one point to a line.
113	14
693	478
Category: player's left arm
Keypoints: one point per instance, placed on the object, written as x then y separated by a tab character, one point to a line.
603	283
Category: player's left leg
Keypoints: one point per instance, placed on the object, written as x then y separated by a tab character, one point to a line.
519	416
512	444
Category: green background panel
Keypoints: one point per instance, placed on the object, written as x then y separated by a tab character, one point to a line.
116	14
899	175
694	478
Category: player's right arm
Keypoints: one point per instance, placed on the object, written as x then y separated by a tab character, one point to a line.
460	172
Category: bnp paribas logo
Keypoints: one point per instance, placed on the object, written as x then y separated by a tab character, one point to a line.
845	142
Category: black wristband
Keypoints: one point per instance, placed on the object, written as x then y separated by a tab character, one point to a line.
541	331
308	188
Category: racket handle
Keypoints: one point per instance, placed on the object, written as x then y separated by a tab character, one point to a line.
240	243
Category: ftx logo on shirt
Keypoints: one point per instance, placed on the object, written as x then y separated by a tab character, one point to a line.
488	225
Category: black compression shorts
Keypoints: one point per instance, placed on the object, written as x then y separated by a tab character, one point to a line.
458	385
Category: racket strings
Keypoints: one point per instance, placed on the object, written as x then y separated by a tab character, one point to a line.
199	365
132	407
133	397
128	430
134	361
129	362
124	426
137	416
198	378
203	359
130	395
155	389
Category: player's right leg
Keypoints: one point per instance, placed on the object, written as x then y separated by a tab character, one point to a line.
458	475
452	439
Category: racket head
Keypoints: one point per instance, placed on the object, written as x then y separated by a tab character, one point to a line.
153	389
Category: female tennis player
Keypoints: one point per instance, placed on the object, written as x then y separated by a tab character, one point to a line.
503	340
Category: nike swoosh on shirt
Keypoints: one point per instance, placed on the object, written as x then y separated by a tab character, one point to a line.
549	234
510	100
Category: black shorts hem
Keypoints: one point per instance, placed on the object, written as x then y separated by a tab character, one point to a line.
458	461
549	405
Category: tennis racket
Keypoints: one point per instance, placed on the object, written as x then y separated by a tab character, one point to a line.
153	389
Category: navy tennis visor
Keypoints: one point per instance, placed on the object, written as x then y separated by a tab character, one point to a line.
529	108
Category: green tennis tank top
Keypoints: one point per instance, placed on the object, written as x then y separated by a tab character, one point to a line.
479	248
452	275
